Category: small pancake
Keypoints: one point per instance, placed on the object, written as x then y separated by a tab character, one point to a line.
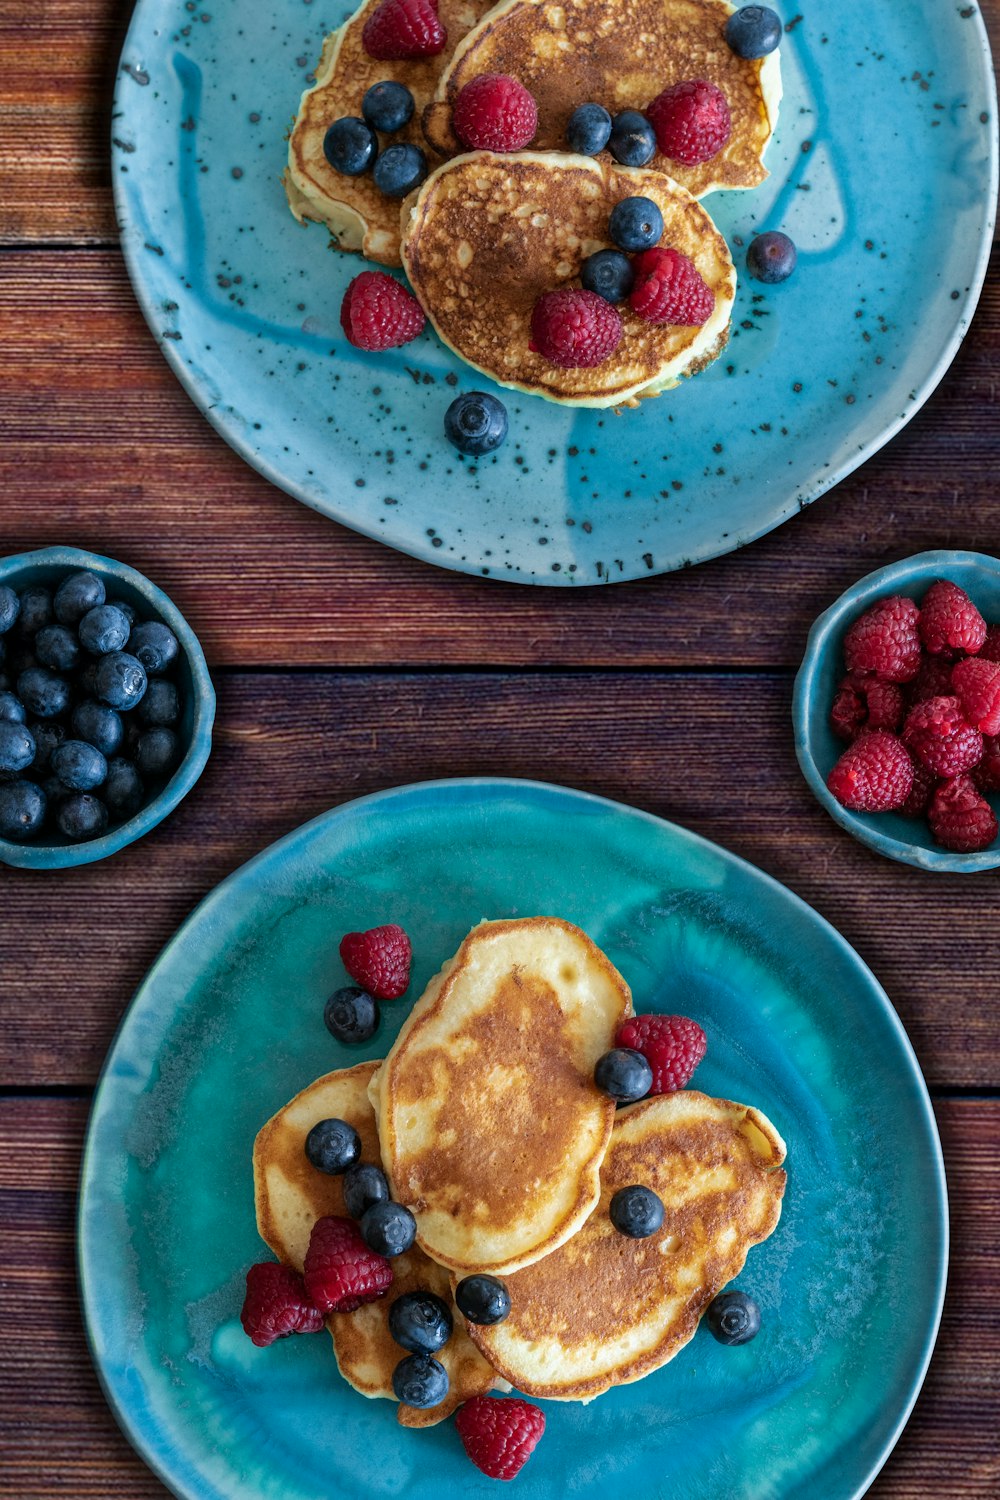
491	1126
605	1309
291	1195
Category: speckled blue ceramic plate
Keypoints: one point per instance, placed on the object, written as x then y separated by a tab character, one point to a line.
228	1026
883	170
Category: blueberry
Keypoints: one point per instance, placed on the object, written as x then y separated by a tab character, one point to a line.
420	1381
36	609
20	652
771	257
120	680
734	1318
332	1146
636	224
588	129
476	423
17	746
55	794
482	1299
387	106
624	1074
99	725
636	1211
157	753
388	1228
56	646
82	816
22	810
753	31
609	274
10	608
12	710
76	595
633	140
420	1322
48	737
127	610
86	679
161	705
351	1015
350	146
3	650
123	790
79	766
154	645
103	629
399	170
364	1184
43	693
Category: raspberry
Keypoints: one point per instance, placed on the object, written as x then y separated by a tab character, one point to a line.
950	624
672	1045
924	782
378	313
340	1271
378	960
866	703
495	112
990	649
987	774
574	329
932	681
276	1304
847	716
937	734
976	684
885	640
404	28
499	1436
960	818
691	120
669	288
874	775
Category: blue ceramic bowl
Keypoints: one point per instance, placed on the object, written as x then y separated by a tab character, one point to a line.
908	840
195	730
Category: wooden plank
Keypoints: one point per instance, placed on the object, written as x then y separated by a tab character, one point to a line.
59	1438
713	753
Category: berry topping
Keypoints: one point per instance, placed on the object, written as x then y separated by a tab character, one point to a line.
499	1435
155	646
364	1184
636	224
10	608
977	686
939	737
388	1228
691	120
99	725
420	1322
378	960
82	816
589	129
378	313
753	31
771	257
105	629
22	810
76	595
624	1074
495	112
404	28
950	624
420	1381
120	680
79	766
874	775
636	1211
669	289
350	146
399	170
276	1304
632	141
609	274
476	423
574	329
57	647
672	1045
341	1272
482	1299
734	1318
332	1146
17	746
351	1014
387	106
885	640
960	818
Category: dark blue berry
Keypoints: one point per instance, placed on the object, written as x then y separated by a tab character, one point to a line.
3	650
609	274
128	610
103	629
351	1015
420	1322
123	790
771	257
154	645
79	766
12	710
76	595
22	810
420	1381
332	1146
399	170
734	1318
17	746
589	129
82	816
55	795
43	693
364	1184
636	224
388	1228
156	753
633	140
99	725
476	423
120	680
10	608
753	31
350	146
86	679
624	1074
387	106
36	609
48	737
636	1211
161	705
482	1299
56	646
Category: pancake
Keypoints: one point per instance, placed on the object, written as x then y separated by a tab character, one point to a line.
485	236
491	1126
605	1309
291	1195
619	53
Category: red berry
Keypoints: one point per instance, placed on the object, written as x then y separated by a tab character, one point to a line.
499	1436
669	288
950	624
960	818
874	775
990	649
340	1271
691	120
495	112
924	782
574	328
885	640
866	703
276	1304
672	1045
976	684
378	313
987	774
933	680
937	734
404	28
378	960
847	716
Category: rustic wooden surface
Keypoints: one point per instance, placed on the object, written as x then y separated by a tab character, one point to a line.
343	667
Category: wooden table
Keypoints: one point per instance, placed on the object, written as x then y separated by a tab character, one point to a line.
343	667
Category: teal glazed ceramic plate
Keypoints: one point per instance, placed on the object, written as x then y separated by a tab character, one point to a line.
883	170
229	1025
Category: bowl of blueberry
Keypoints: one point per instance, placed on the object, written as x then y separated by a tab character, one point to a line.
106	707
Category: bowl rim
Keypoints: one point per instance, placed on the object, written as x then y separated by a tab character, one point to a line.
882	581
41	856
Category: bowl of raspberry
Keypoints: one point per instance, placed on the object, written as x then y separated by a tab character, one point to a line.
897	711
106	707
